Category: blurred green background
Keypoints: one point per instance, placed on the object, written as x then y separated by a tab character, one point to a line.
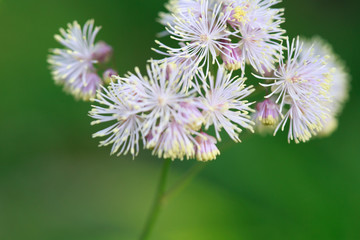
55	183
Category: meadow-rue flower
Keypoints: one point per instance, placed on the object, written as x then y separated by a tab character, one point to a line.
224	104
124	132
159	95
302	82
73	66
206	149
202	36
259	30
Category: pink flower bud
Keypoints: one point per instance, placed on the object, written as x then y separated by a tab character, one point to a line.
267	112
102	52
206	149
107	75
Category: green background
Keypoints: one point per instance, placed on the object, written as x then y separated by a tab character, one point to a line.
55	183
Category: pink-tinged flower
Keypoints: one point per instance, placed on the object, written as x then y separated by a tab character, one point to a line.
102	52
159	95
107	75
124	132
301	83
175	142
201	38
206	149
267	112
73	65
224	104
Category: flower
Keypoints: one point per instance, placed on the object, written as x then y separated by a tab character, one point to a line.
159	95
202	37
224	105
259	29
206	149
125	132
301	82
73	66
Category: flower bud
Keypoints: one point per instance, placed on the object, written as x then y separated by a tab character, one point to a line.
102	52
267	112
107	75
206	149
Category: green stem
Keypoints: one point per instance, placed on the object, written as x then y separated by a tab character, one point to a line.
154	212
183	182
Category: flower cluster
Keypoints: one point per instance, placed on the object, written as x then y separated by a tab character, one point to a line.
168	118
179	108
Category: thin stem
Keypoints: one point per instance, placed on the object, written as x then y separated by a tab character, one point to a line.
184	181
154	212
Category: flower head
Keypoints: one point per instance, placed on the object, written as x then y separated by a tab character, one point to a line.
224	105
73	66
124	132
202	36
159	95
302	83
257	25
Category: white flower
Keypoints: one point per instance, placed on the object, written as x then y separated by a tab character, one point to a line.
201	37
159	95
73	66
301	82
260	32
124	132
224	104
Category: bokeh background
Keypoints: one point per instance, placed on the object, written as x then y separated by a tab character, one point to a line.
55	183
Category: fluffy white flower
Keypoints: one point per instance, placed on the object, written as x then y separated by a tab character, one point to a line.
224	104
124	132
302	83
73	66
201	36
